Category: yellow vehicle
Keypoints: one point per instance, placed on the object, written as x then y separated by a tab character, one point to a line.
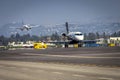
40	45
111	45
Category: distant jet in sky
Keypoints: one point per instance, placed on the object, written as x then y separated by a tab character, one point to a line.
25	27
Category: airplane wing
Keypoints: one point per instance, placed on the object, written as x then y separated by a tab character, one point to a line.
32	26
20	29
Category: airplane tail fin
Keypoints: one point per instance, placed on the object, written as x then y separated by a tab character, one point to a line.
67	29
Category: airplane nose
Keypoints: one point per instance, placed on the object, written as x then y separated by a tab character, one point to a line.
79	37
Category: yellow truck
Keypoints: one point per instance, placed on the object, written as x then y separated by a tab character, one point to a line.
40	45
111	45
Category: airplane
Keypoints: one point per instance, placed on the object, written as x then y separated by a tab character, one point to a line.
76	38
73	37
26	27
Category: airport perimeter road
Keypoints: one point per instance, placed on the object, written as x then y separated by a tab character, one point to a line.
100	56
17	70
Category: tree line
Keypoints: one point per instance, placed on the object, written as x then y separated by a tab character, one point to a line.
55	36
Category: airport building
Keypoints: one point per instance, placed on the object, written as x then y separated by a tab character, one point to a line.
28	44
115	41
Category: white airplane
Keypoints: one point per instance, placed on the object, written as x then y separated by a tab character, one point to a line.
74	37
27	27
24	27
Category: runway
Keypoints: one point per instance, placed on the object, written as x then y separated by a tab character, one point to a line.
105	56
61	64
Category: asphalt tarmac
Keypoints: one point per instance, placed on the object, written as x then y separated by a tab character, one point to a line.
100	63
98	56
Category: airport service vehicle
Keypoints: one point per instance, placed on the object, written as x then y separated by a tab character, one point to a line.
40	45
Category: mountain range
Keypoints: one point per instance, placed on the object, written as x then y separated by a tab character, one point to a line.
43	30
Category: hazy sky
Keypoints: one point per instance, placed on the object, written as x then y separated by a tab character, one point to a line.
49	12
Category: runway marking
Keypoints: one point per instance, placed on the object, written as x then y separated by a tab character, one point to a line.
77	75
104	78
57	72
71	56
68	56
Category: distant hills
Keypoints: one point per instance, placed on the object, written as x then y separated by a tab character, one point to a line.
42	30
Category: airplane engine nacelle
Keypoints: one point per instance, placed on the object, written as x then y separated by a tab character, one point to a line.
63	34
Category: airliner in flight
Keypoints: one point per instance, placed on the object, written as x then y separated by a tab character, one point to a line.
26	27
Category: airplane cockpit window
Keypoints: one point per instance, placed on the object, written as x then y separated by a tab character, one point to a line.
78	34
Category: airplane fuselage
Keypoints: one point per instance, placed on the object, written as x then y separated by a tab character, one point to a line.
78	36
